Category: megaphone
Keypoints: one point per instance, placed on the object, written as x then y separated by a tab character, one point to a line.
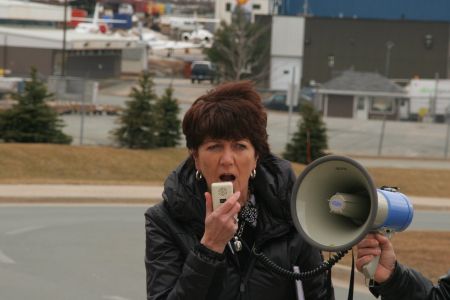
335	204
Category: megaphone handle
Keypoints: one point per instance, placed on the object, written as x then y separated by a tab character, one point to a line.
370	269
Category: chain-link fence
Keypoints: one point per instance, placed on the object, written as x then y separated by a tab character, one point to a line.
345	136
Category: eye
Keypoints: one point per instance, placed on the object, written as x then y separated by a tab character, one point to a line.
240	146
213	147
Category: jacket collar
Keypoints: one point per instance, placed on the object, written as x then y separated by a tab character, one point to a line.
184	196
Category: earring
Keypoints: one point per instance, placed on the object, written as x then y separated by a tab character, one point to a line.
198	175
253	174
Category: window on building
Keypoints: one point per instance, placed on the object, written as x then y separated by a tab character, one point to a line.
256	6
361	104
228	7
382	105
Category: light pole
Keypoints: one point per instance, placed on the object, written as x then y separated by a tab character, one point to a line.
5	54
63	62
389	46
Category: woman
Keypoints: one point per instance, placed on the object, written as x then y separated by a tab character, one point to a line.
195	252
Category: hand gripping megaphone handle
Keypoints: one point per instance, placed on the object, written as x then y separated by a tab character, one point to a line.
370	268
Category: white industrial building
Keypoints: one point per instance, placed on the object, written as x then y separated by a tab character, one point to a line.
24	10
27	40
286	52
429	98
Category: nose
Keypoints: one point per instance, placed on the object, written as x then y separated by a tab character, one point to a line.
227	157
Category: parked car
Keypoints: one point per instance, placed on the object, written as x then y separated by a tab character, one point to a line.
198	35
279	101
202	70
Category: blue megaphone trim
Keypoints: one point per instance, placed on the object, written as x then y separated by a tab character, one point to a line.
400	211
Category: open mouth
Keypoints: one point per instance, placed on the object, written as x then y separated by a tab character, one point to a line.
227	177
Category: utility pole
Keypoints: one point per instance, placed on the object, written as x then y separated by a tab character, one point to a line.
447	139
63	63
389	46
291	95
5	54
433	100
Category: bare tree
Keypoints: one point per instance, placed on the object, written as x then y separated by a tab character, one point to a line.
241	49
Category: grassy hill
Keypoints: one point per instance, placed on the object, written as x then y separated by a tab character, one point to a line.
43	163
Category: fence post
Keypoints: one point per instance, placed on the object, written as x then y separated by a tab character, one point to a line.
383	126
447	140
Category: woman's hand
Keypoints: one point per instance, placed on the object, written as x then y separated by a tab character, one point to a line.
373	245
220	224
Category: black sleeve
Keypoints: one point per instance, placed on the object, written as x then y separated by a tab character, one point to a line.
170	273
408	284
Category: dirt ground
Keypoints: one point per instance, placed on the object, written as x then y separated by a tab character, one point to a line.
425	251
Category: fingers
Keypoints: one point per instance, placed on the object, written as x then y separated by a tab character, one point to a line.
368	251
373	245
368	242
362	261
231	207
383	241
208	203
220	224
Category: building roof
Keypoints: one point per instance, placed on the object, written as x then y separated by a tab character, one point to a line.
24	10
50	38
353	82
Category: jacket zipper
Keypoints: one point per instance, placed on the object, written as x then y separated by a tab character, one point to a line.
246	277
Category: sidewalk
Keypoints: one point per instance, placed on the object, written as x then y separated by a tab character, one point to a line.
130	192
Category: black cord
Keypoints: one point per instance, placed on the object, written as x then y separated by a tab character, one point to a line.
324	266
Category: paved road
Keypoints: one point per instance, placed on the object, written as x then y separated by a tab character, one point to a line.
87	252
72	253
79	252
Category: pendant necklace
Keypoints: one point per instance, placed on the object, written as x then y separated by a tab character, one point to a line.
237	243
249	214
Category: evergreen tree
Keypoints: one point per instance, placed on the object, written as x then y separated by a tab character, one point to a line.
31	120
241	49
310	141
137	122
167	122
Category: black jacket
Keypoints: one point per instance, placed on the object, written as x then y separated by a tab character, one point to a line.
408	284
175	227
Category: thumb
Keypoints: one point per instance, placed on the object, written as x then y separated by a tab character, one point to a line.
208	204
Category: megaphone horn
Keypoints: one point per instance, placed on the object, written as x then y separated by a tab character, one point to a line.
335	204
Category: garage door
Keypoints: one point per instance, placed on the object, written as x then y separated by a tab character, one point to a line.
340	106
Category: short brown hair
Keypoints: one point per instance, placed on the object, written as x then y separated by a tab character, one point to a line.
231	111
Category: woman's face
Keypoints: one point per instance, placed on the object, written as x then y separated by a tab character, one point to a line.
225	160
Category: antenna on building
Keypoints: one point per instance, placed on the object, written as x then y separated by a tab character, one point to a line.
305	8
